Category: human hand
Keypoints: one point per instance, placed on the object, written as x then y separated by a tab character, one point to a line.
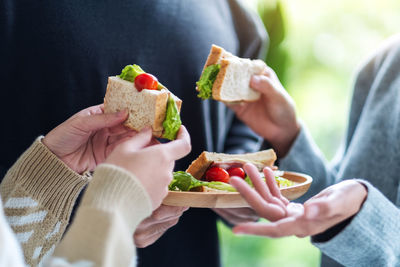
153	227
151	162
85	140
321	212
273	116
236	216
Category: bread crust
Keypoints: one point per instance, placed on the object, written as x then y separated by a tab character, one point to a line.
213	58
160	113
216	89
199	166
215	54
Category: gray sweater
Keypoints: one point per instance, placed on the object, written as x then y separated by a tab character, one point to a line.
371	151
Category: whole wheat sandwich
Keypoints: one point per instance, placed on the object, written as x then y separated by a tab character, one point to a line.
148	102
211	172
226	77
199	167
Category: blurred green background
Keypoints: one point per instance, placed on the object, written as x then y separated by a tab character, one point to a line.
316	47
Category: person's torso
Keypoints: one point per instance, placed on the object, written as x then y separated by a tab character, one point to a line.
373	152
55	60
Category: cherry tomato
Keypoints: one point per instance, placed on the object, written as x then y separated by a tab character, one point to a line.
237	171
146	81
217	174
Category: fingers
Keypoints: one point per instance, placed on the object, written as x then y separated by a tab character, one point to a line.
153	233
261	83
181	146
94	122
167	212
266	210
153	227
285	227
273	185
139	140
260	186
237	215
116	138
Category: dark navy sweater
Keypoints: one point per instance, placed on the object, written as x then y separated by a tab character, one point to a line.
55	57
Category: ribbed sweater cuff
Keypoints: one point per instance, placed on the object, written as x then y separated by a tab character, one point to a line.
47	179
115	190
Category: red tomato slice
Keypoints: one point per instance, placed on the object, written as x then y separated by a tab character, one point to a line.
217	174
146	81
237	171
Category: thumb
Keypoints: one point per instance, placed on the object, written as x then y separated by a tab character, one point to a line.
138	141
262	84
96	122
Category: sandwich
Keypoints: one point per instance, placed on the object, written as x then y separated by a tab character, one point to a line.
211	172
149	103
226	77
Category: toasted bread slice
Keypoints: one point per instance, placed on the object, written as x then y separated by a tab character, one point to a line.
146	108
232	83
260	159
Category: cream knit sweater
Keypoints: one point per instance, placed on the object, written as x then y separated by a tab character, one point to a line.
38	194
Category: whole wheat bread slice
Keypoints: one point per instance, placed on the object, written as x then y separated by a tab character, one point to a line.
232	83
260	159
146	108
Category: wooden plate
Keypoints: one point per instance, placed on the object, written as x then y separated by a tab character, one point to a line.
234	199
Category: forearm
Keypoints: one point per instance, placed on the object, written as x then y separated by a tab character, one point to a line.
38	193
371	238
114	204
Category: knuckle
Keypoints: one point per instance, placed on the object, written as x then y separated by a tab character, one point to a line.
158	215
325	208
140	240
170	223
187	147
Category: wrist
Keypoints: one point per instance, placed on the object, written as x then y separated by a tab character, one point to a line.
285	139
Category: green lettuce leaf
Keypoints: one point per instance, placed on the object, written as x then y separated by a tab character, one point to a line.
130	72
183	181
207	80
221	186
172	121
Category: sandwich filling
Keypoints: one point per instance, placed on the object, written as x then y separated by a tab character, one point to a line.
130	72
206	81
184	181
172	121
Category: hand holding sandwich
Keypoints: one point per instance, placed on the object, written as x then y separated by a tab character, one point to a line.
84	140
331	206
151	161
273	115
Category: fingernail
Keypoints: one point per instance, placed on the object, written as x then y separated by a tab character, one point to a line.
312	212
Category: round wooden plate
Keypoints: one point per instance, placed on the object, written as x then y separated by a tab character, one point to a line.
234	199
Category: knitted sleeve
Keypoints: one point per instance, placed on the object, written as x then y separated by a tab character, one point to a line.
102	232
371	238
38	194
